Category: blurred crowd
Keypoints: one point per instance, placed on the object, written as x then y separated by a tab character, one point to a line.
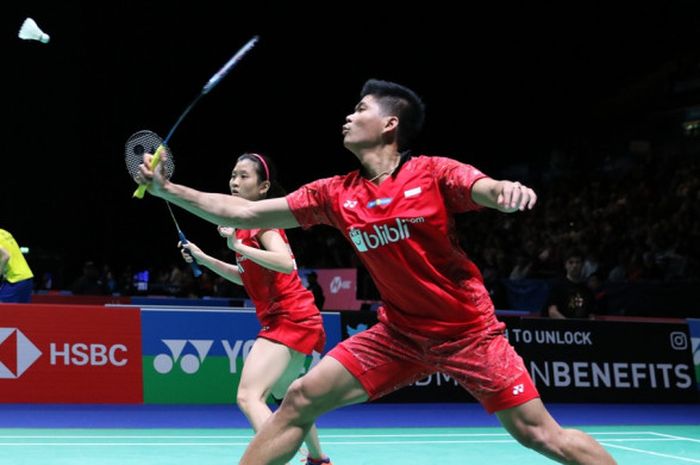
637	219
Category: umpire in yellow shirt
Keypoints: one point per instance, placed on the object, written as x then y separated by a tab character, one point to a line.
16	279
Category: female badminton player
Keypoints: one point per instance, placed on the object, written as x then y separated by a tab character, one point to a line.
291	323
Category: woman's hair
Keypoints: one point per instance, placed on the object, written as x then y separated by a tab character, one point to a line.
266	171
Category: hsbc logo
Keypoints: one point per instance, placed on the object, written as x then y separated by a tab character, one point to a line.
82	354
17	353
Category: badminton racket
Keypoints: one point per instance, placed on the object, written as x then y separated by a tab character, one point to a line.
213	81
149	142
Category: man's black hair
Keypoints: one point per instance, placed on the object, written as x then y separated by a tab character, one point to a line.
398	101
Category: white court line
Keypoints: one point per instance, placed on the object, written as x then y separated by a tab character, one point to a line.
346	443
208	444
648	452
121	444
640	440
372	442
676	437
322	436
107	436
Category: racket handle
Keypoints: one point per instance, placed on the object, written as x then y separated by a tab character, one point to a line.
141	190
195	268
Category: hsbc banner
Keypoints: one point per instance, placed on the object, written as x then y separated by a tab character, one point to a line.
64	354
579	361
196	357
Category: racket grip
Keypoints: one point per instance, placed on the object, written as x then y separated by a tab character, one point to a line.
141	190
195	268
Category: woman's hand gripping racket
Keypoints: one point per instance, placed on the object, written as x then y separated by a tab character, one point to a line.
213	81
149	142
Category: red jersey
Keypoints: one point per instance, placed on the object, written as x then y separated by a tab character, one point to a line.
403	231
273	293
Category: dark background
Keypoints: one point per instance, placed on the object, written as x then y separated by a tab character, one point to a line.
503	84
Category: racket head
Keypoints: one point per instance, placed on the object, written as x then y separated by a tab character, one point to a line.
146	142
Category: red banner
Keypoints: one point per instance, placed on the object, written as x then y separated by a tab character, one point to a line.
339	286
70	354
70	299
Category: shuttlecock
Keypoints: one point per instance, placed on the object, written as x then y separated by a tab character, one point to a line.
30	31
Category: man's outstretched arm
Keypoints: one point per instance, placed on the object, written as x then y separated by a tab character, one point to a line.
506	196
220	209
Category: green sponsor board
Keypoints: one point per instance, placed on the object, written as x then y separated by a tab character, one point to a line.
212	383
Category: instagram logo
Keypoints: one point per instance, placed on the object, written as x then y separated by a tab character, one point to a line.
679	341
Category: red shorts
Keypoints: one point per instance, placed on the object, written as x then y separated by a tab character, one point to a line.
305	335
485	364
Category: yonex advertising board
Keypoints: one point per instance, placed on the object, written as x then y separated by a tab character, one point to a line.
196	357
65	354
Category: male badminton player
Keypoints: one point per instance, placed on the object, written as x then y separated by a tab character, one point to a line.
397	210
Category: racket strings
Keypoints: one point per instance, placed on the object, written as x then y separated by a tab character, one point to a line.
145	142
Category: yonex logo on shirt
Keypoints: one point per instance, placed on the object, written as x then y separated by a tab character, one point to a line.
381	234
518	389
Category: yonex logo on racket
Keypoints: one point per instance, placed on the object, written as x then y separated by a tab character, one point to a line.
17	353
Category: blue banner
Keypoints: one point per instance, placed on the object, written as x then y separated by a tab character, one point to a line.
196	356
694	326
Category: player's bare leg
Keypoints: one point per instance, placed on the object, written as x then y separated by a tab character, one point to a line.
266	363
279	391
270	368
533	426
326	387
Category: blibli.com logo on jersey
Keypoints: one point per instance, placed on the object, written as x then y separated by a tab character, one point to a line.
380	235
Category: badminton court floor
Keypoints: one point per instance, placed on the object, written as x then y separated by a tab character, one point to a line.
368	434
